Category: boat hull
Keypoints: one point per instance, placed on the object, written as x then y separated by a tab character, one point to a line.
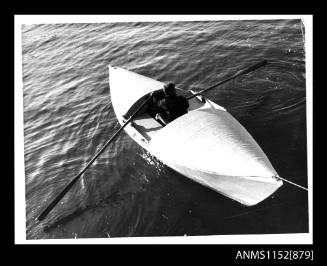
207	145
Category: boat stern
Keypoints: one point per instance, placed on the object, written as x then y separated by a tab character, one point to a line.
212	148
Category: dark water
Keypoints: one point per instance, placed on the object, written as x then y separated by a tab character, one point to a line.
68	116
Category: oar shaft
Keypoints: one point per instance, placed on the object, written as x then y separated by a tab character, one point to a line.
71	183
242	72
207	89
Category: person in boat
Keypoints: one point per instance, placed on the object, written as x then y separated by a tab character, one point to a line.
169	106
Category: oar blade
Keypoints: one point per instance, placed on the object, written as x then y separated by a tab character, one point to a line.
71	183
241	72
252	68
58	198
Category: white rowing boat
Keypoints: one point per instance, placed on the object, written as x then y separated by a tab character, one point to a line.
207	145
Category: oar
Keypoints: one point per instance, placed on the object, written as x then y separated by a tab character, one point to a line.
239	73
71	183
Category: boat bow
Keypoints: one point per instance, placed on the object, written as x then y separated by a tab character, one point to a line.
126	86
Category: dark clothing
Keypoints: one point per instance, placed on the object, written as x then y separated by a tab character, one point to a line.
168	107
173	106
153	108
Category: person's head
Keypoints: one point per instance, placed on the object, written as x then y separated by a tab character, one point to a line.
169	89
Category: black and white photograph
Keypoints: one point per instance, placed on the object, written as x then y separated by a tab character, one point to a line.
163	129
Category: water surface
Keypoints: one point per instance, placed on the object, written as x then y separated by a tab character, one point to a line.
68	116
